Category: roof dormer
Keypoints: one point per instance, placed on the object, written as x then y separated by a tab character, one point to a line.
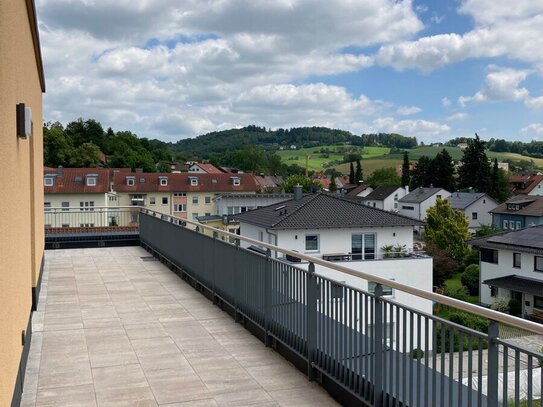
236	181
91	180
130	180
163	180
49	180
193	181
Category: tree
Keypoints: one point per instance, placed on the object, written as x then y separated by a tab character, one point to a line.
447	228
57	148
443	267
351	174
499	189
406	179
86	155
308	184
163	166
442	174
358	173
420	176
470	279
475	169
383	177
250	159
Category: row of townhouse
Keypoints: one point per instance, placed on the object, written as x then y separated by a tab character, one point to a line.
185	195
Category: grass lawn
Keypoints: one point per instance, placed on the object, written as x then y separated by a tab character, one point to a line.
371	164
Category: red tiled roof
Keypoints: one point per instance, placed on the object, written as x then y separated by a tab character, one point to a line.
357	190
524	184
73	181
209	168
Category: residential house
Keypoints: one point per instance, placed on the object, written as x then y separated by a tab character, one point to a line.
511	266
336	228
526	184
416	203
361	190
269	183
518	212
385	197
203	168
22	83
85	189
476	206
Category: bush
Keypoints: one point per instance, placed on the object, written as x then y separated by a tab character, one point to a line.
443	266
417	354
515	307
500	304
469	320
470	279
458	292
472	257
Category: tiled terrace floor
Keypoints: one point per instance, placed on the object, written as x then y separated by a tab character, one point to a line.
115	330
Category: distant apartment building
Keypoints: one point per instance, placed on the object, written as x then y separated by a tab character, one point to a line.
416	203
518	212
22	83
475	206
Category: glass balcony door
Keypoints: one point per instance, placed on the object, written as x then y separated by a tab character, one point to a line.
363	246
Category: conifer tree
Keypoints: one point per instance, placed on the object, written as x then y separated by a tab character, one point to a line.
406	179
358	173
351	174
475	169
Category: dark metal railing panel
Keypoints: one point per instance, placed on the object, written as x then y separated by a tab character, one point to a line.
383	352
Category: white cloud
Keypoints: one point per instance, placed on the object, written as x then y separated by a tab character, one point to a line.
422	129
446	102
534	102
501	84
408	110
458	117
534	130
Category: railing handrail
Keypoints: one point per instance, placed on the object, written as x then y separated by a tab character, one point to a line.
87	208
428	295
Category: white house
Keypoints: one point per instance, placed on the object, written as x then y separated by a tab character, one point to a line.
527	184
386	198
416	203
344	230
362	191
511	266
476	207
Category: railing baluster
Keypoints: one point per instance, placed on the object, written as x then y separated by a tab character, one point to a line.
311	318
378	347
492	376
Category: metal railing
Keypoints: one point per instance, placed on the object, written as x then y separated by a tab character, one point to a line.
377	350
84	224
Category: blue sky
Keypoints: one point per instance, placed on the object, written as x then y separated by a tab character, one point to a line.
178	68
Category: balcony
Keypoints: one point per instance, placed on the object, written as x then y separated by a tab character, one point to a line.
137	331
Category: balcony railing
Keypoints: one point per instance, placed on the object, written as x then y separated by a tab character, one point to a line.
100	224
365	348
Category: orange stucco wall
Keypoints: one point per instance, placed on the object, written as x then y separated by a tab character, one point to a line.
21	186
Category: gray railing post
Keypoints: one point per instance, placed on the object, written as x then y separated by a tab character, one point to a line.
213	264
493	357
378	347
267	297
311	320
237	282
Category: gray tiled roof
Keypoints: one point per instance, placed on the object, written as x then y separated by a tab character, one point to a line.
420	194
381	193
534	207
322	211
517	283
528	240
461	200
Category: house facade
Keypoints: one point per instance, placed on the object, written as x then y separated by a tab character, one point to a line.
511	267
475	206
527	184
416	203
518	212
337	229
386	198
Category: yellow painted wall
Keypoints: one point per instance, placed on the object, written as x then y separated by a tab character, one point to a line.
21	167
201	208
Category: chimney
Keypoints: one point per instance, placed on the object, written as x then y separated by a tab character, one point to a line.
406	189
297	192
60	171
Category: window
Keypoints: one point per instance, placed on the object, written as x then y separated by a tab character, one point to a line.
474	215
86	206
180	207
207	199
134	218
86	225
493	291
195	200
130	181
179	194
311	243
538	263
489	256
193	181
386	289
152	200
374	204
438	196
163	181
506	224
408	208
65	225
235	181
65	205
48	181
208	213
363	246
164	200
538	302
519	224
484	201
47	206
91	181
260	235
194	216
516	260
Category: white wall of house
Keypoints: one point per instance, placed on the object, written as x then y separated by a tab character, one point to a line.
390	203
72	215
419	209
505	268
538	190
481	208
